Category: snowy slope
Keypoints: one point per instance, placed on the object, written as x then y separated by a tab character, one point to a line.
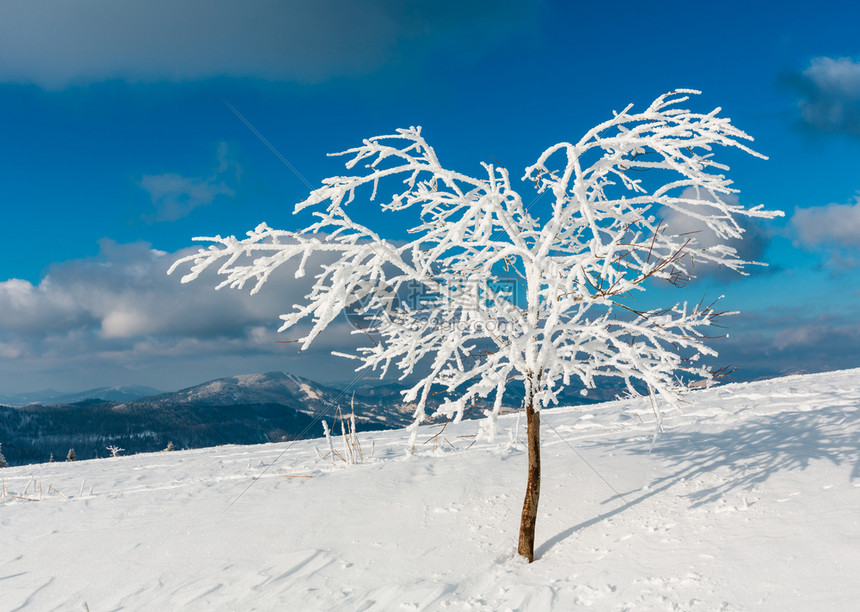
749	501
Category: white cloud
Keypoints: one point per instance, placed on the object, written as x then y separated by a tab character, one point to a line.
57	42
831	225
117	318
174	196
787	340
126	324
37	309
750	247
9	351
831	95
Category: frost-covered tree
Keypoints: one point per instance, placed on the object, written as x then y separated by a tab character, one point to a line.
114	450
510	302
71	455
2	458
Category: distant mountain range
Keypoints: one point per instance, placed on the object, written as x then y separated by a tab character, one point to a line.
248	409
51	397
377	410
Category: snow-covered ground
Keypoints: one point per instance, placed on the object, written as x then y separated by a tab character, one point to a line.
749	501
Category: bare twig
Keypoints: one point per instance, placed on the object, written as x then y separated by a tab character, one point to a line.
51	488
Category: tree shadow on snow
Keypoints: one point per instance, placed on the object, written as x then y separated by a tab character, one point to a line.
745	456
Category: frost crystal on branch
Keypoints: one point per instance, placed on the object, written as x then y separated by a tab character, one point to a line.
505	296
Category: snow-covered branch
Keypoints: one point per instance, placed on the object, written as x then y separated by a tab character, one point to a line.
482	293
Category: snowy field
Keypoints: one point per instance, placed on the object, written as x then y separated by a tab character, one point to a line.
749	501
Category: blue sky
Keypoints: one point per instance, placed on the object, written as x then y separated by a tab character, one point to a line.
119	145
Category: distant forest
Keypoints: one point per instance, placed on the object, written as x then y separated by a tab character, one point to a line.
32	434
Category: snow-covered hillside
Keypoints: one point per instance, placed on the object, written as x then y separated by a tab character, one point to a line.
282	388
749	501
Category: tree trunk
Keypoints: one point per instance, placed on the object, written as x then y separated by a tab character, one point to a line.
527	524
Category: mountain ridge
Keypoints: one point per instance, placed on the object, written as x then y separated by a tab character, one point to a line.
244	409
52	397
